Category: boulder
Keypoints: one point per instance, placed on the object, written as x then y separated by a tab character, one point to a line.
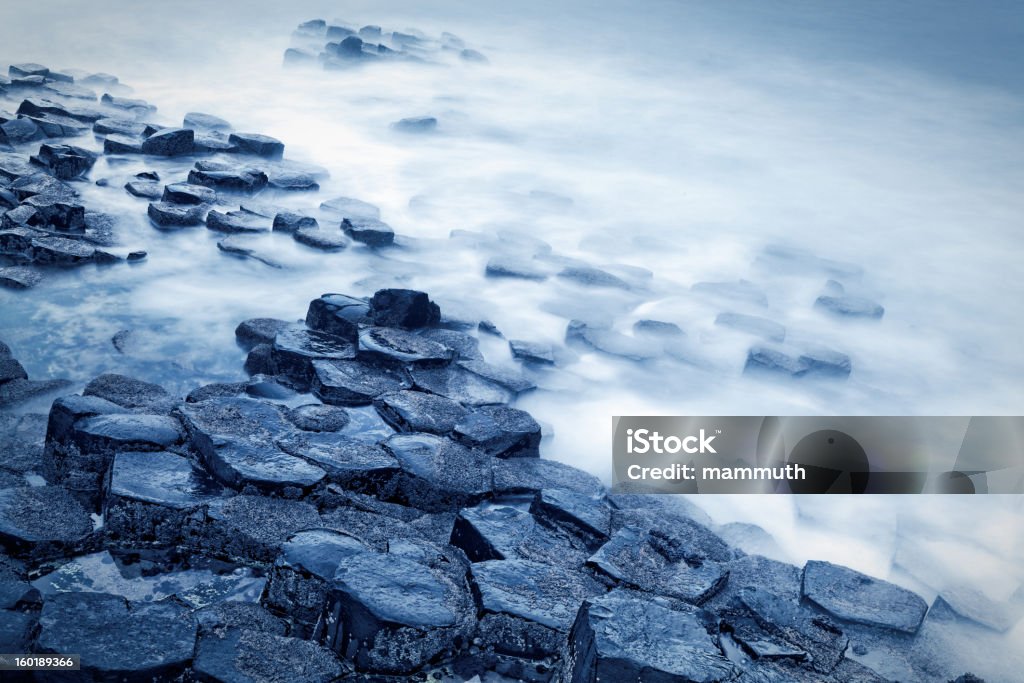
65	161
236	222
186	193
56	213
369	231
259	145
166	215
621	636
122	144
41	523
500	431
169	142
416	411
528	607
154	497
151	641
235	438
19	277
339	315
861	599
147	189
350	383
437	473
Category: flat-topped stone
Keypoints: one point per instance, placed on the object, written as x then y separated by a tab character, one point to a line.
853	596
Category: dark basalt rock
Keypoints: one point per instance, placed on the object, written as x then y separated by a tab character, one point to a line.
387	345
821	639
532	352
511	380
861	599
37	106
56	213
250	333
339	315
225	178
65	161
41	523
44	185
416	411
437	473
500	431
170	142
253	528
416	124
213	143
752	324
232	614
146	189
126	431
369	231
167	215
293	181
235	439
586	516
10	369
826	363
122	144
351	383
353	464
458	384
131	129
515	476
19	131
850	306
200	121
465	346
504	532
16	633
320	239
653	563
27	69
138	107
260	360
21	443
234	655
129	392
151	498
295	348
395	614
259	145
152	640
291	222
315	417
351	208
186	193
236	222
528	607
621	637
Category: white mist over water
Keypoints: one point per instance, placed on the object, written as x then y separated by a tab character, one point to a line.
689	136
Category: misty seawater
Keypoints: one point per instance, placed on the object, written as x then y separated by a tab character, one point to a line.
670	145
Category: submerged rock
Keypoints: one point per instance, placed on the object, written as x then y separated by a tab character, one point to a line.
166	215
850	306
369	231
259	145
405	308
351	208
320	239
416	124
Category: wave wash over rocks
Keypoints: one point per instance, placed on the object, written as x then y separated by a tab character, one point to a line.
371	503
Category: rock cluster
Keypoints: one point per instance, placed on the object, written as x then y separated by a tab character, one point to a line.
398	523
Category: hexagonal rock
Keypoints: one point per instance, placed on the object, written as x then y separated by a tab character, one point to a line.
370	231
295	349
500	431
502	532
235	439
460	385
41	522
356	465
416	411
391	346
528	607
260	145
405	308
236	655
226	178
586	516
169	142
351	383
254	331
647	561
252	527
316	417
320	239
786	619
514	476
300	579
622	636
392	614
150	498
118	640
338	314
129	392
186	193
167	215
437	473
861	599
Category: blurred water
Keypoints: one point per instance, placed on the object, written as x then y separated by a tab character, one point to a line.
689	136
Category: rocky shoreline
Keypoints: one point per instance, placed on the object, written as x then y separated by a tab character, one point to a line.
370	505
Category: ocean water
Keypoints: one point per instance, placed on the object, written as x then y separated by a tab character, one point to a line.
670	143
